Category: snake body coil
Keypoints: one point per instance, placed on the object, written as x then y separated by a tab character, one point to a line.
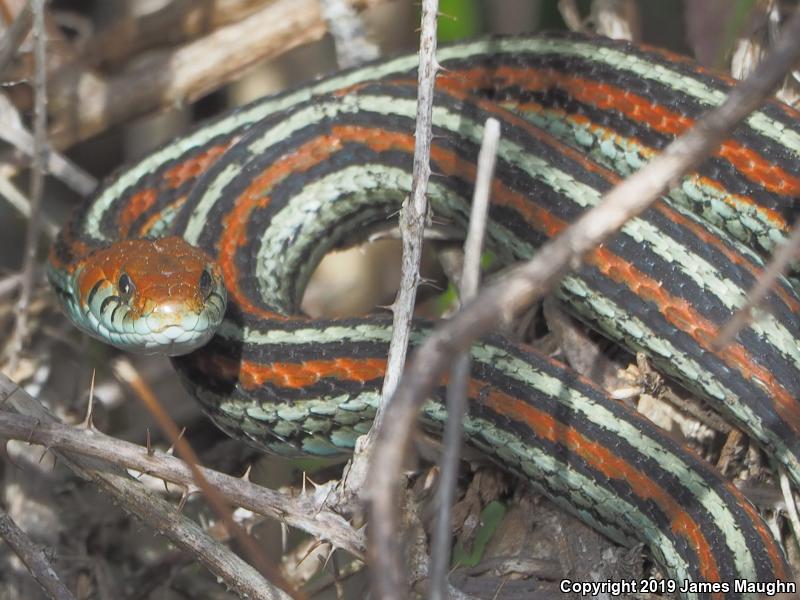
264	192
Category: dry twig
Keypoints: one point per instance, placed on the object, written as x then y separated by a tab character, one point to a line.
415	210
413	216
785	254
13	131
15	34
457	390
177	22
33	558
37	186
85	104
352	46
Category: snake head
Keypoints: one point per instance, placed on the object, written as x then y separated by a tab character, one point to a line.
148	296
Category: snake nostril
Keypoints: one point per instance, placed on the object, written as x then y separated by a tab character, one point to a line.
206	284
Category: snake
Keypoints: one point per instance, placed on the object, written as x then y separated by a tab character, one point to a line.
202	249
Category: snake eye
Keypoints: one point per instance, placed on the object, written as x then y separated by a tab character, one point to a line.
125	286
206	284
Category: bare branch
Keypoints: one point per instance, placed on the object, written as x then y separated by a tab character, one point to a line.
22	205
16	33
415	210
413	217
507	297
84	104
390	582
33	558
457	390
352	46
13	131
37	184
785	254
177	22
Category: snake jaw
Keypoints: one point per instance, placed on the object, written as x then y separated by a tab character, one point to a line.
147	297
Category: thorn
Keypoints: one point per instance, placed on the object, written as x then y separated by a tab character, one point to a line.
44	453
311	481
431	283
284	538
246	475
88	422
184	498
328	558
312	547
171	449
150	450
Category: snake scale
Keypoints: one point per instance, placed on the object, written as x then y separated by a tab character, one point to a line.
243	208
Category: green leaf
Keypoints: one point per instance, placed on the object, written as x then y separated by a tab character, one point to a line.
458	19
491	517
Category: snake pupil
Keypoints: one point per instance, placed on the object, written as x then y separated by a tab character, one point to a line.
125	286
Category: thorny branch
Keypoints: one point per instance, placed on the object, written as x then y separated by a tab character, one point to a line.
413	216
157	513
391	581
305	511
415	210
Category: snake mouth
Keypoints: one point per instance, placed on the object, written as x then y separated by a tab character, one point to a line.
169	329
